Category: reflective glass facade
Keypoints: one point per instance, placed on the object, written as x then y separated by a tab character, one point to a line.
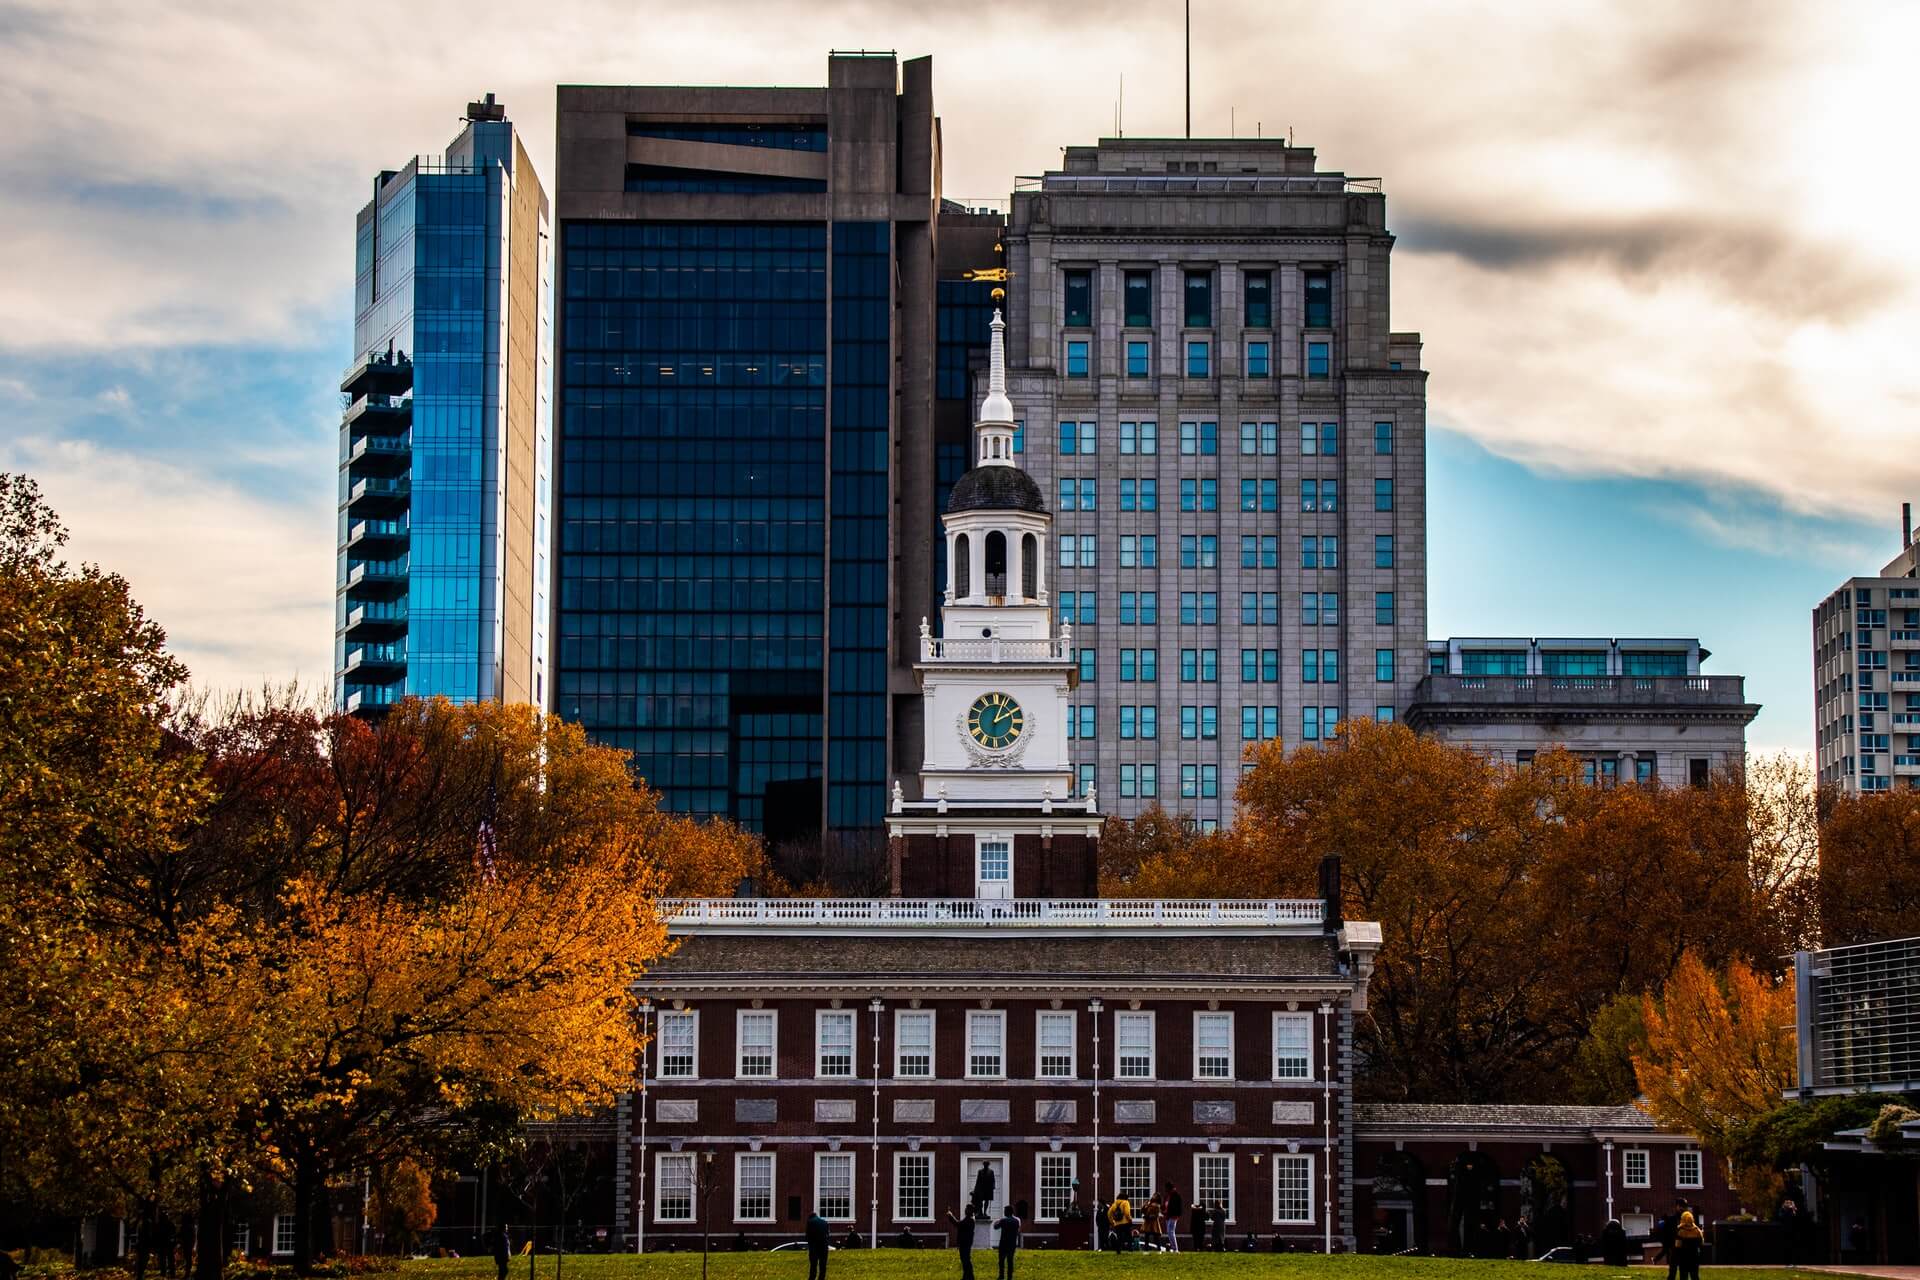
692	508
862	396
424	499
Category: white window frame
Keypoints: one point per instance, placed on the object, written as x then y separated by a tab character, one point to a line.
242	1238
740	1162
1040	1160
1153	1044
1199	1015
899	1017
1627	1180
819	1162
1233	1198
1699	1179
692	1017
740	1044
279	1220
901	1159
1000	1015
1153	1173
1293	1158
661	1160
820	1019
1040	1071
980	843
1301	1019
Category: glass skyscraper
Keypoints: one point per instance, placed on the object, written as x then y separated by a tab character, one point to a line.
446	438
745	477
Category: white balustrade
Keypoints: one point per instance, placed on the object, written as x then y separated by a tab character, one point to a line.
1003	912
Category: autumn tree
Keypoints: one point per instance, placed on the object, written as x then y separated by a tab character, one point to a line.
1869	883
1720	1054
1163	855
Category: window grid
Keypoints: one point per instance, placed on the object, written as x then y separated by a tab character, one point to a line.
679	1045
986	1044
673	1188
913	1186
1133	1042
1293	1188
1212	1045
833	1044
755	1035
1293	1046
752	1188
913	1044
1056	1179
1213	1181
833	1186
1056	1045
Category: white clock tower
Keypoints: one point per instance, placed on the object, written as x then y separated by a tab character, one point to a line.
996	682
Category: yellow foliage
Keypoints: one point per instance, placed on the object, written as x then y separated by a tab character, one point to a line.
1720	1049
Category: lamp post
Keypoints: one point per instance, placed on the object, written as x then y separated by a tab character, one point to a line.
704	1181
1096	1208
875	1006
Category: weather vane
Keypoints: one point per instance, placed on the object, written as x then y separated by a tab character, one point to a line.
994	275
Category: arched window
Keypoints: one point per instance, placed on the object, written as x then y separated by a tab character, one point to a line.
1030	567
962	568
996	563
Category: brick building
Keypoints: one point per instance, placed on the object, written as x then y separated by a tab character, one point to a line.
1441	1178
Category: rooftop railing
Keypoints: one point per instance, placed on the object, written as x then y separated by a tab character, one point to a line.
1467	691
1019	913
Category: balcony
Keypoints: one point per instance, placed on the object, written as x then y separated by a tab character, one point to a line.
378	539
375	662
996	913
377	577
364	699
376	407
376	618
1439	699
377	494
378	372
993	649
381	454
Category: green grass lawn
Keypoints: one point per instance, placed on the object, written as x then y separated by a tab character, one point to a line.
1040	1264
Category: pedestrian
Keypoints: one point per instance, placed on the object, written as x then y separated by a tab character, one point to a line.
1009	1229
963	1225
1120	1223
1199	1224
502	1250
1523	1239
819	1244
983	1191
1788	1218
1155	1224
1219	1220
163	1244
1688	1239
1176	1206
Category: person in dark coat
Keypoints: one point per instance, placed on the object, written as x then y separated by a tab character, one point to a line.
1199	1226
819	1244
1009	1229
1613	1243
963	1225
1219	1220
1176	1207
502	1250
983	1191
1688	1240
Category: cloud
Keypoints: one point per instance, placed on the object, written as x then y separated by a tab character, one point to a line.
1639	238
242	585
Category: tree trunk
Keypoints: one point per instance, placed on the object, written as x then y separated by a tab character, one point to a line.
188	1229
306	1178
210	1225
144	1241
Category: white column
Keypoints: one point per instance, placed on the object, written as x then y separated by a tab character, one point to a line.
977	545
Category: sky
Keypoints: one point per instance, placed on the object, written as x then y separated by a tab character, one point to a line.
1660	254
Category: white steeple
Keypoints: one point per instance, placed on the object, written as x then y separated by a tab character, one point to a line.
994	427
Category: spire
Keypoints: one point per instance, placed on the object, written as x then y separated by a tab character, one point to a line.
996	408
993	429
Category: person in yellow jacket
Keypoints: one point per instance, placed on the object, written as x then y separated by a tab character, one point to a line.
1120	1219
1688	1239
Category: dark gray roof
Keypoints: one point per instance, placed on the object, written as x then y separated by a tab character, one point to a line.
996	488
1468	1116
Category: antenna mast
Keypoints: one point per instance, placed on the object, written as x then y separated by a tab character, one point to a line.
1189	69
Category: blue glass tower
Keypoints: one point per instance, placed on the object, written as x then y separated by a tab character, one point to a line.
744	392
446	438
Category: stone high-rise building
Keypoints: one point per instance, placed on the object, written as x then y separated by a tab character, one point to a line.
1866	676
1234	442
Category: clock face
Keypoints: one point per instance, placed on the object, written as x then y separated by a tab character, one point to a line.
995	721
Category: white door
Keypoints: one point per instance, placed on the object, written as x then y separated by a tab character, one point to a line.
970	1165
993	869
